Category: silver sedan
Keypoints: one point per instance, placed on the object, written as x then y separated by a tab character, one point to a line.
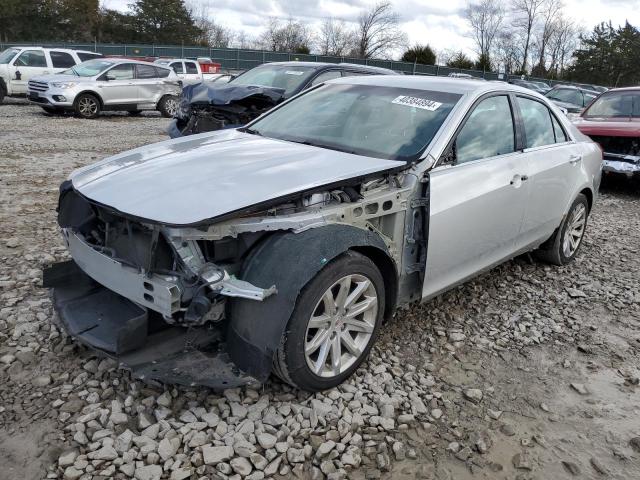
281	246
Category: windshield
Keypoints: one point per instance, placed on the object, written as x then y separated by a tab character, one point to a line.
382	122
566	95
90	68
616	105
8	55
287	77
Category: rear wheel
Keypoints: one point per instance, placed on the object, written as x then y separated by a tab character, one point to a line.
563	247
2	92
87	106
168	106
334	325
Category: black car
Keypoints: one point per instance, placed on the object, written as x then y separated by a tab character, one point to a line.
572	99
209	106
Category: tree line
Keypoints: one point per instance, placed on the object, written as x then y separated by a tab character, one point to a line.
533	37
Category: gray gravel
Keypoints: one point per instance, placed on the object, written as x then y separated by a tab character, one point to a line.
529	371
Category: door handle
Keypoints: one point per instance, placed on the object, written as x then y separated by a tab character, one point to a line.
575	159
517	179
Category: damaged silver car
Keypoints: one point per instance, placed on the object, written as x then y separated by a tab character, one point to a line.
282	246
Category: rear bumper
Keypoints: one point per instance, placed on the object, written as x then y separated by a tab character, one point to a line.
138	339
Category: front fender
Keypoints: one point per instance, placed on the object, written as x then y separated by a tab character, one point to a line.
288	261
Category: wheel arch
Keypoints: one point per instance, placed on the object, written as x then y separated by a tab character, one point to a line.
587	192
89	92
289	261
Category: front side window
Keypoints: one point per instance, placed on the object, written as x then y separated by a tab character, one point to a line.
61	59
146	72
177	67
615	105
191	68
123	71
31	58
488	131
381	122
326	76
536	118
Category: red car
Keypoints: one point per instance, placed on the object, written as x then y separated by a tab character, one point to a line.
613	121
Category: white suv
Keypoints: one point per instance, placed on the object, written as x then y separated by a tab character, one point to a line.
19	64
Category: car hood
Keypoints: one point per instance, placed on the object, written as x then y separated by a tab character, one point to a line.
61	78
619	127
194	179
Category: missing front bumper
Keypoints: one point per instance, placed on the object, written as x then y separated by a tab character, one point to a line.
137	338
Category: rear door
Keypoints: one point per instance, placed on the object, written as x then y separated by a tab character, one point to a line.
28	64
554	162
117	85
149	84
478	196
192	73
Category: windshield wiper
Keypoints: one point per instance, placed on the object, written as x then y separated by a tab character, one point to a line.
328	147
251	131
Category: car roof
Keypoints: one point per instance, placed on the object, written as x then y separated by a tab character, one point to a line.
31	47
460	86
169	60
326	65
624	89
116	60
576	87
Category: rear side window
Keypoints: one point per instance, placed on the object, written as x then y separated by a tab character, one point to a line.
61	59
146	71
488	131
561	136
191	68
163	72
177	67
326	76
84	56
31	58
536	118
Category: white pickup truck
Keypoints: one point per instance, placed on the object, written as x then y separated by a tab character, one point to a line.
191	71
19	64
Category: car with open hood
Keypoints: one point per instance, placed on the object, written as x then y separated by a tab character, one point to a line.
282	246
613	121
208	106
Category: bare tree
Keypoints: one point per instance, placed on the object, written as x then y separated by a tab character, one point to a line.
286	36
562	44
505	50
335	38
551	13
211	33
485	18
378	32
526	14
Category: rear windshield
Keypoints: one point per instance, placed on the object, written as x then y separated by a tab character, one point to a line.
7	55
615	105
381	122
287	77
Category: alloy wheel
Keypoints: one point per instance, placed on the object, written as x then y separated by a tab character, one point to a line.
574	231
172	107
88	106
341	325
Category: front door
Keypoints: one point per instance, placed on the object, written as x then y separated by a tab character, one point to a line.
478	197
117	86
30	63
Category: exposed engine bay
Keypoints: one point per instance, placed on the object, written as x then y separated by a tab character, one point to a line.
207	107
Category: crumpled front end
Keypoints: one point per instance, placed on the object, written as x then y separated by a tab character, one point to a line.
207	107
152	300
621	155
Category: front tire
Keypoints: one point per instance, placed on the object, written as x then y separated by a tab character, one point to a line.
564	246
87	106
334	324
168	106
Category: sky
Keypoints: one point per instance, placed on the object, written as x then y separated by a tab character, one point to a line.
438	23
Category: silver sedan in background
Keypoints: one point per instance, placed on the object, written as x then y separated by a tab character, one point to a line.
281	246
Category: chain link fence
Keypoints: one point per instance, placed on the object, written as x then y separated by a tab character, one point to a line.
236	59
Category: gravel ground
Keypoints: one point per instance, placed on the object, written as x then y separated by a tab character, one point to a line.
528	372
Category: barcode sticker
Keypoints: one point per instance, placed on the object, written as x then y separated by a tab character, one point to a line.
416	102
